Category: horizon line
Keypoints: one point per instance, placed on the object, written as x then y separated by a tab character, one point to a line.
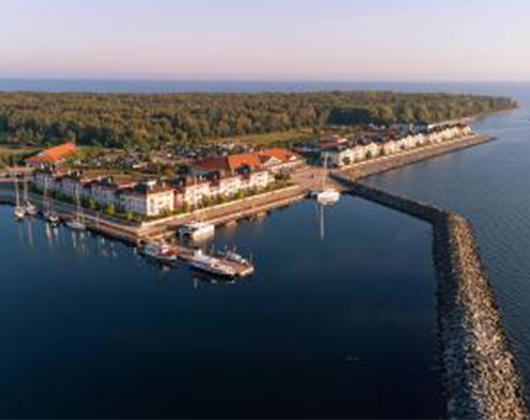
267	80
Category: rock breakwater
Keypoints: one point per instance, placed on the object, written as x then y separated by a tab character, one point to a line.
480	373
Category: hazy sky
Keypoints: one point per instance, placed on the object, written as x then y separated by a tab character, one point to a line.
304	39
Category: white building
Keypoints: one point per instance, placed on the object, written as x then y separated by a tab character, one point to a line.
390	147
337	157
195	194
259	180
148	198
105	192
372	150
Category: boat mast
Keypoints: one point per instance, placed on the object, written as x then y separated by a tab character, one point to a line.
78	212
325	170
25	190
17	195
45	195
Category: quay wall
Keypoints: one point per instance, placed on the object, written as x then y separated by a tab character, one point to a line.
381	164
480	375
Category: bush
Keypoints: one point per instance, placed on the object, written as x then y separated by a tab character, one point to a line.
110	210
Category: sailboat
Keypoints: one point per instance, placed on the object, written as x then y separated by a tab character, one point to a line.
20	211
50	216
31	209
77	223
327	195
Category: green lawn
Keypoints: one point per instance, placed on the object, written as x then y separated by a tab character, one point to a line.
270	139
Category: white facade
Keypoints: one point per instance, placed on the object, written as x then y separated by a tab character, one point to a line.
196	194
258	180
147	203
229	186
372	150
338	157
390	147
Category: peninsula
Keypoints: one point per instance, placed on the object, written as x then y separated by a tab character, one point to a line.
145	197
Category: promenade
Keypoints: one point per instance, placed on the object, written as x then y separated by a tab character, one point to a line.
133	232
382	164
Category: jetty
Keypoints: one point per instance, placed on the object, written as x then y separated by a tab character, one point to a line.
480	374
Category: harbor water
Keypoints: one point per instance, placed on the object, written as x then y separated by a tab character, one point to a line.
334	323
489	185
342	327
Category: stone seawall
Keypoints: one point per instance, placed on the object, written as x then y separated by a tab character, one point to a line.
480	375
387	163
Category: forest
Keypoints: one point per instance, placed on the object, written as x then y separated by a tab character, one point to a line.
153	120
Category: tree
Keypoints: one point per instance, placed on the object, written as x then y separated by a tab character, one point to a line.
110	210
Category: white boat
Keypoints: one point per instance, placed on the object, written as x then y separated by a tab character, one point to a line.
77	223
52	218
232	255
196	230
31	209
211	265
20	211
160	252
327	195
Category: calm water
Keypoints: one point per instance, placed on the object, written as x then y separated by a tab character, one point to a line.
343	327
161	86
490	184
339	327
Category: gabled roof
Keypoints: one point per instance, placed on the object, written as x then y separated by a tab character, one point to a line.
54	154
253	160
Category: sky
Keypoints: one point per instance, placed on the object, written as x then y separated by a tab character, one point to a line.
266	40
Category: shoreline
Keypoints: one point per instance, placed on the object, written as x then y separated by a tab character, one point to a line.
383	164
480	374
130	232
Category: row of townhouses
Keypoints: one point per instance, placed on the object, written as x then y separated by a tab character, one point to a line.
148	198
194	194
340	153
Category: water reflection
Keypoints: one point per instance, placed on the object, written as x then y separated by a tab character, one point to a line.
179	314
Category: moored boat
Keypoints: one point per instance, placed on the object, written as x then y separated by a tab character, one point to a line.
20	212
31	209
160	252
328	196
75	224
211	265
231	255
52	218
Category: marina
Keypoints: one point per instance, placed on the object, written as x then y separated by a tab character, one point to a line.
313	308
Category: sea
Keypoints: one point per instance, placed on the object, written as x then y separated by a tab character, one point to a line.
338	321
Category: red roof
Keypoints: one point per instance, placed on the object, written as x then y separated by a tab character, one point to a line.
54	154
254	160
